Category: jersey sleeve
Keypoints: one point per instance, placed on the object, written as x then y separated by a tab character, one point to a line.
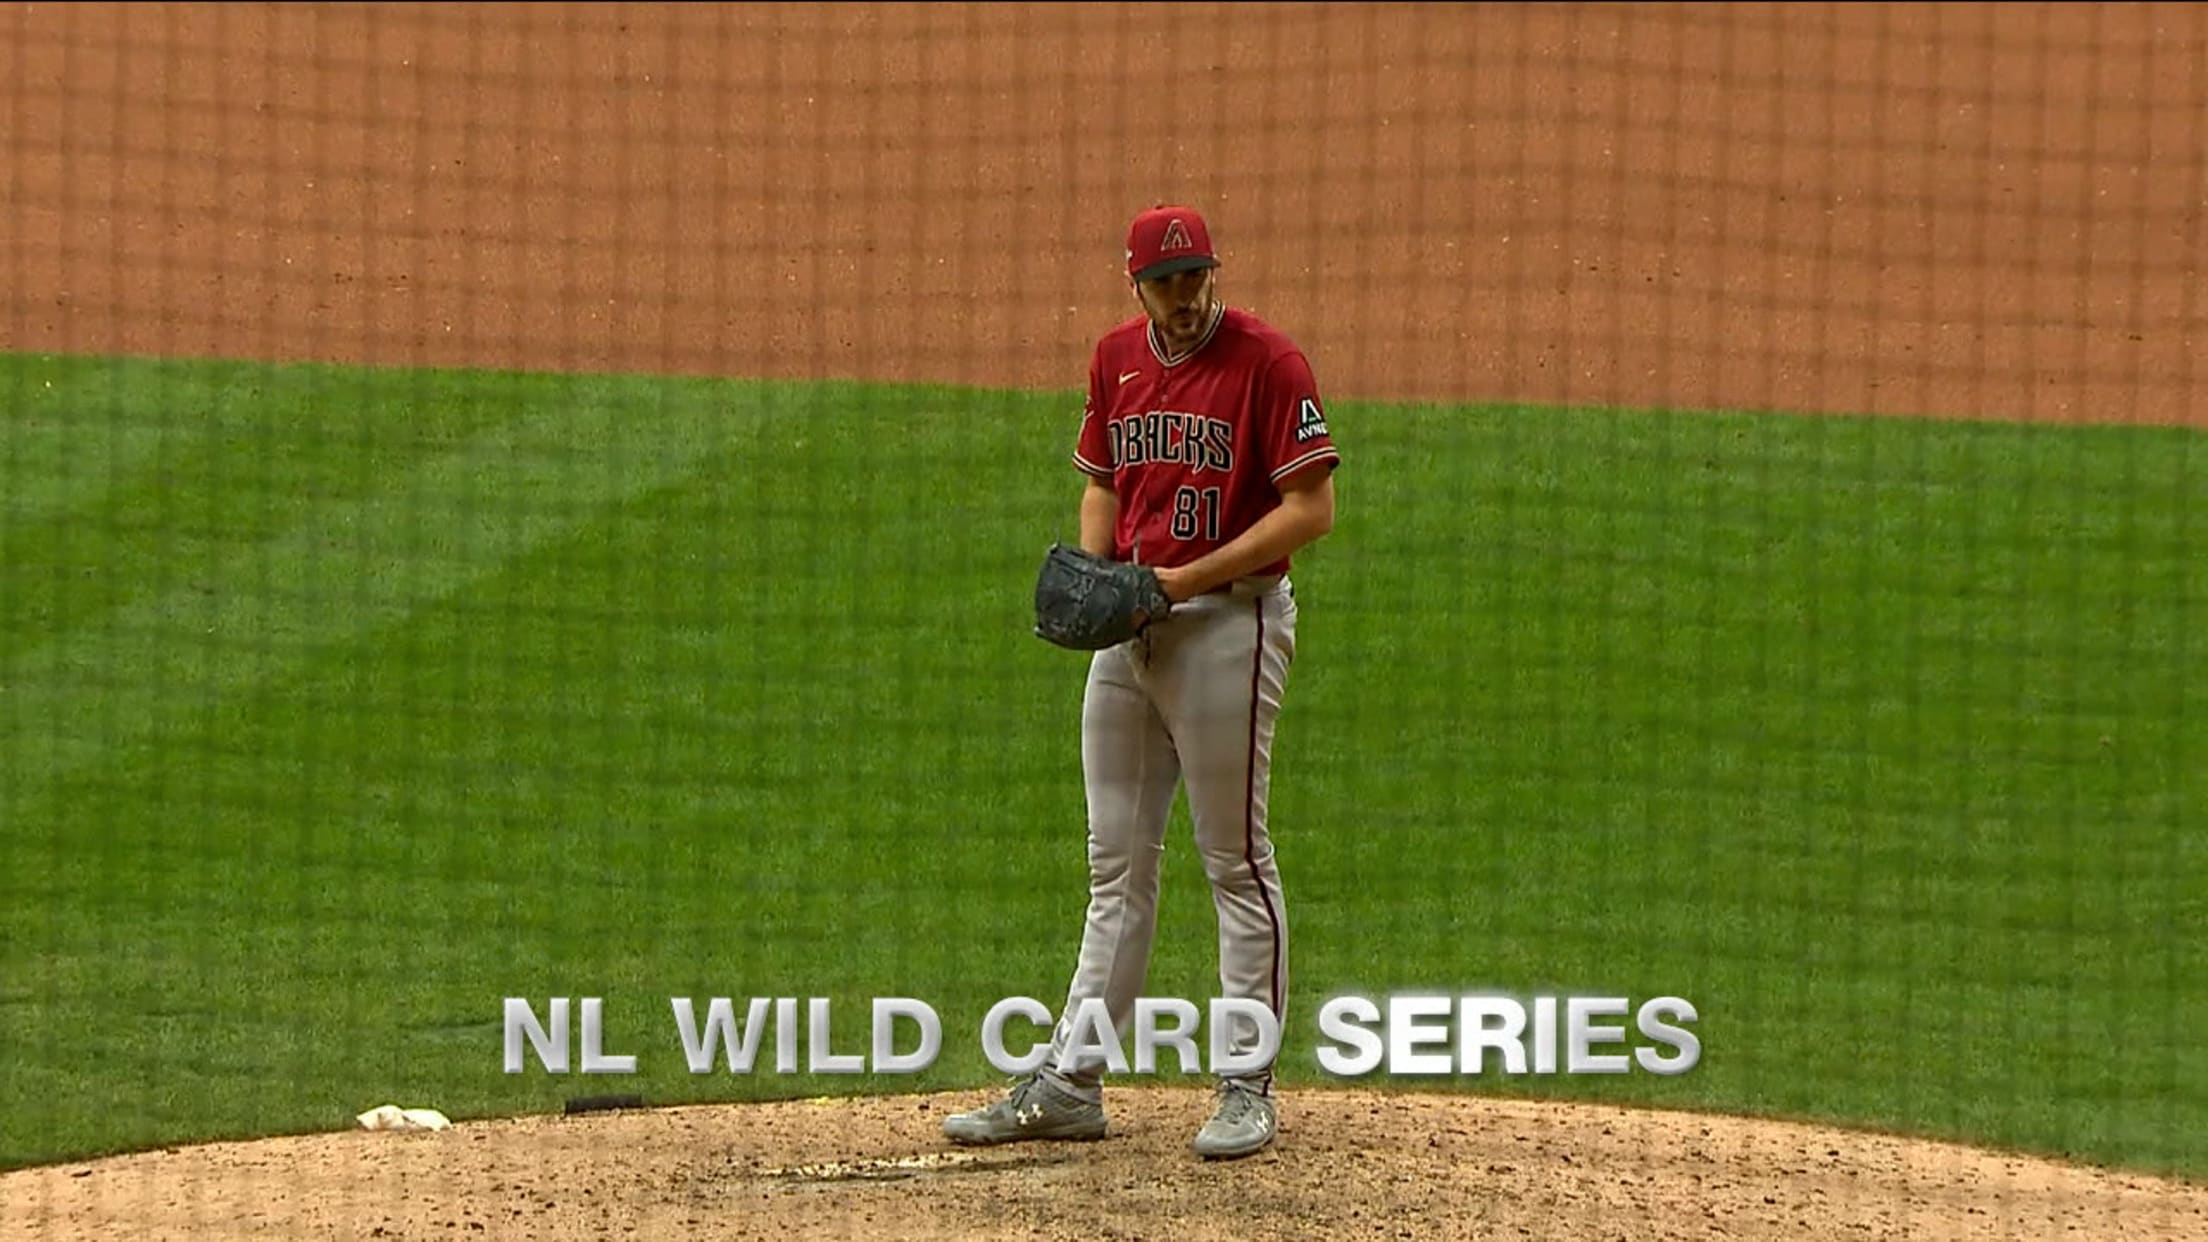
1294	432
1092	450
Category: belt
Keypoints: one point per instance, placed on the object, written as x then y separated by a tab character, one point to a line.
1254	585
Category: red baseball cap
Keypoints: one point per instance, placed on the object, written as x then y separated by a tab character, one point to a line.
1168	239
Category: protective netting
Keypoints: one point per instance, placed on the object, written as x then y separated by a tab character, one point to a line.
541	500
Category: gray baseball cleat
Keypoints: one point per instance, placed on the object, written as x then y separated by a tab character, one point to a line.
1035	1108
1242	1124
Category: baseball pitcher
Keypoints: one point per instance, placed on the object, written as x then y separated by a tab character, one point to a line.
1208	464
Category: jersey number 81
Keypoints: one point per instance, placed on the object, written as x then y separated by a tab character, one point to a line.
1196	513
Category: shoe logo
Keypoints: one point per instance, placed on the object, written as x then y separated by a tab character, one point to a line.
1029	1113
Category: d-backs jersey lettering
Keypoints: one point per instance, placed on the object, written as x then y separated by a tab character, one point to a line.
1196	448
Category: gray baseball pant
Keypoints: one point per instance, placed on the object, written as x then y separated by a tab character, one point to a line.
1191	702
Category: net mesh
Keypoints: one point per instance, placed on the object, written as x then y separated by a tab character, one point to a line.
542	500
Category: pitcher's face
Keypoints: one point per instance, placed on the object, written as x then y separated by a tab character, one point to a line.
1178	304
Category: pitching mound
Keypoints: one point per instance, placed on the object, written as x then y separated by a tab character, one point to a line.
1350	1164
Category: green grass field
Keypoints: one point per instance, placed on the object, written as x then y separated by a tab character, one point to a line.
337	706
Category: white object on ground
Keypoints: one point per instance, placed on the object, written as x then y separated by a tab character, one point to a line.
392	1117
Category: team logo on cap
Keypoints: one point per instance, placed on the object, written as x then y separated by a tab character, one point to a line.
1176	237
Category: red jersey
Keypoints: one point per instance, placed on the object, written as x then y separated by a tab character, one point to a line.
1196	448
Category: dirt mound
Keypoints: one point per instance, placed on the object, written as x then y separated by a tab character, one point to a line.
1349	1164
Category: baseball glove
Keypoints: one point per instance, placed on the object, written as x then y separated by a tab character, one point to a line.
1088	602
